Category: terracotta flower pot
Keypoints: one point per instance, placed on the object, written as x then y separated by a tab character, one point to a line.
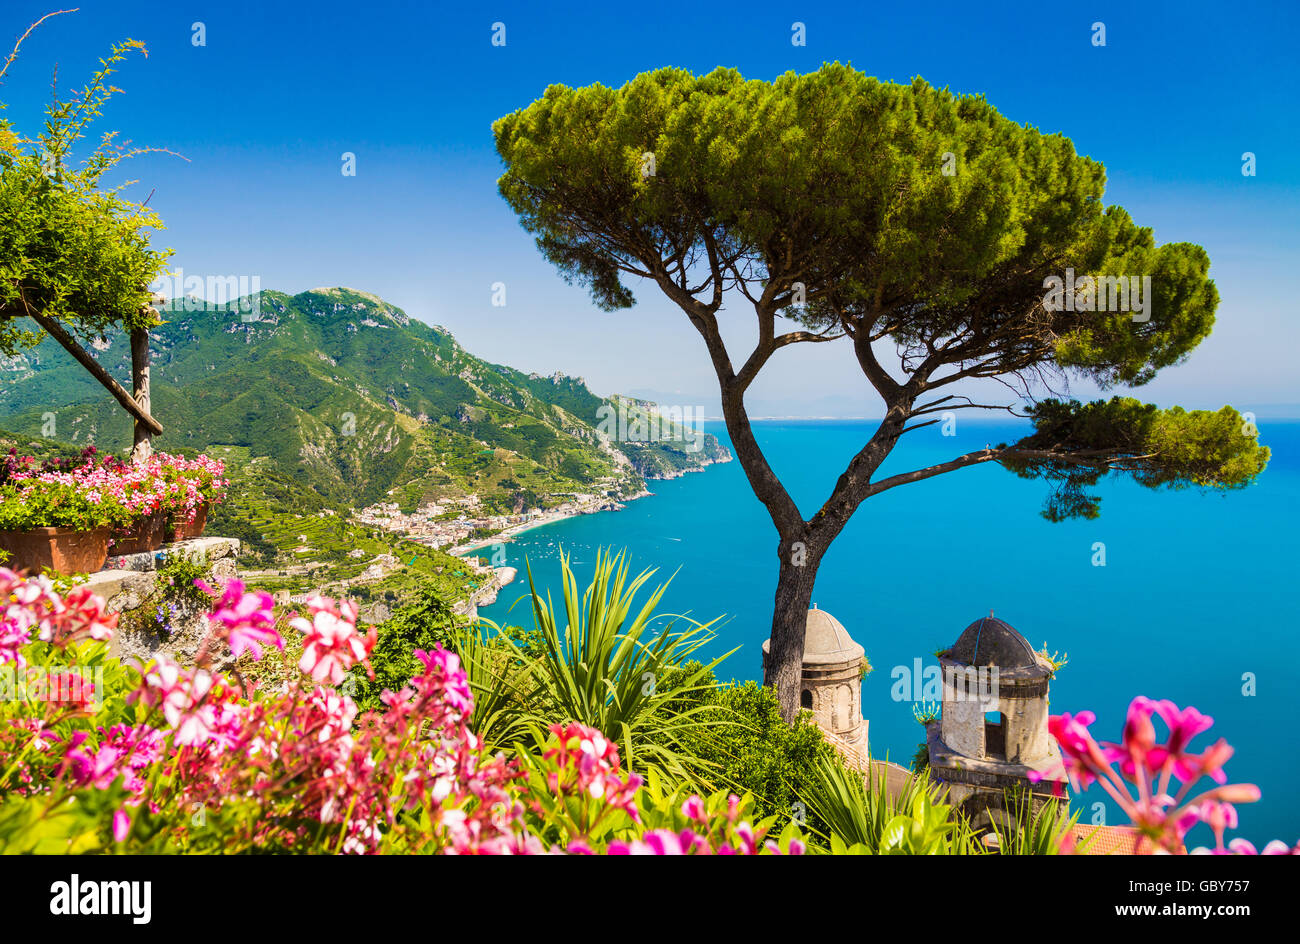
145	534
64	550
181	530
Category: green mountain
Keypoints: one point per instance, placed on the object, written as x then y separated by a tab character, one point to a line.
350	398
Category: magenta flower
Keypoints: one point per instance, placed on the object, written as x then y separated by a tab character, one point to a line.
444	667
1159	813
183	698
693	808
588	763
244	618
1183	724
1245	847
121	825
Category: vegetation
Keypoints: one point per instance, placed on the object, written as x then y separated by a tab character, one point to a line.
424	622
346	396
49	504
71	249
752	750
880	215
604	659
861	818
921	757
478	749
1044	830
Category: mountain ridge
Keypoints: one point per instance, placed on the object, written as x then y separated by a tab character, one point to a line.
352	397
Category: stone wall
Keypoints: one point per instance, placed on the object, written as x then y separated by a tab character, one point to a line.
130	588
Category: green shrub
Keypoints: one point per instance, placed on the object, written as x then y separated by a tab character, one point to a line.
921	759
48	504
613	664
752	750
427	619
856	815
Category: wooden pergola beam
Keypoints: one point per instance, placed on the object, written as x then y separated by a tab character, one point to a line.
139	411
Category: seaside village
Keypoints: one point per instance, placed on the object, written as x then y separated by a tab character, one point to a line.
454	520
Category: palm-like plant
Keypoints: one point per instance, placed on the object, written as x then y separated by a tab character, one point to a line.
603	663
1037	831
501	686
862	819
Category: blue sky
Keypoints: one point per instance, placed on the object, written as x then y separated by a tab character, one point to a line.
265	109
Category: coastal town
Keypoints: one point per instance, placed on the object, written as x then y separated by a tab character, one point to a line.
465	523
453	522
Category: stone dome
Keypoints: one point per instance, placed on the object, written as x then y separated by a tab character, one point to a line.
991	641
826	641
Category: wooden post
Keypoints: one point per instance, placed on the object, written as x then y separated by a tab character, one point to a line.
56	331
143	443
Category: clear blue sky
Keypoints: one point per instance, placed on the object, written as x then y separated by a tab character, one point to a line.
281	90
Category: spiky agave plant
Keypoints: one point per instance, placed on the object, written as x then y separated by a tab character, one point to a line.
1036	830
603	664
859	817
503	687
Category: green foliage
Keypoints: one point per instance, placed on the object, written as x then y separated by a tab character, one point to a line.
1074	445
1036	830
862	819
426	621
835	179
176	576
71	249
660	804
927	711
751	750
605	665
1057	660
51	504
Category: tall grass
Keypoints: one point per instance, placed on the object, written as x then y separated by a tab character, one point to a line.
1037	831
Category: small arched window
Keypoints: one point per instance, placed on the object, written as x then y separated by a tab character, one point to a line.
805	699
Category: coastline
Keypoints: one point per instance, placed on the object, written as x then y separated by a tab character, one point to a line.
506	535
509	534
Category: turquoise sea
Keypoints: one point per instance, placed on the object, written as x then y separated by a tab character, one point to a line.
1193	604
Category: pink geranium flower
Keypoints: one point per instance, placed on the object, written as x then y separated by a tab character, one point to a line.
183	698
244	618
332	643
1157	810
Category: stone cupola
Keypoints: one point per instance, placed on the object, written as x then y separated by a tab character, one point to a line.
831	682
992	735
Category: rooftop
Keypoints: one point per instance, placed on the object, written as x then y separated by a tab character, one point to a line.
991	641
826	641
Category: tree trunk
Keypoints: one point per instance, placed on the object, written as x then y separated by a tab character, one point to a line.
783	666
143	446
